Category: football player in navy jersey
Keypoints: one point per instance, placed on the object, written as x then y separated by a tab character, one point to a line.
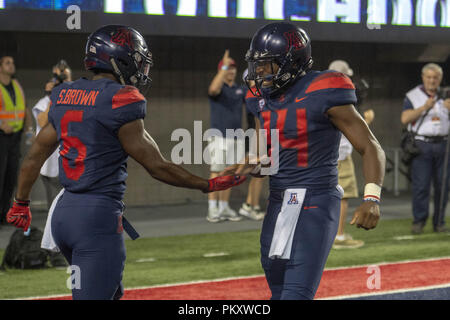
97	124
309	109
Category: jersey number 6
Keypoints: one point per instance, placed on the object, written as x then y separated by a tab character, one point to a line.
72	172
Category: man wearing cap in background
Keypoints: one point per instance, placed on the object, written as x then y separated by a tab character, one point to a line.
226	104
346	168
14	117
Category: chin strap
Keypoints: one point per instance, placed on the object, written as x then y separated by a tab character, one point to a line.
117	71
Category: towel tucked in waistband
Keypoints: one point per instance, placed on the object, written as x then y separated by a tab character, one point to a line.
283	234
47	239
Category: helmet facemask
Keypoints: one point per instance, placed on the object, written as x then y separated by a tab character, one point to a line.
288	71
141	78
256	74
136	75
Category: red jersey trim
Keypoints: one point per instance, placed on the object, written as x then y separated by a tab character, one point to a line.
330	81
250	94
126	96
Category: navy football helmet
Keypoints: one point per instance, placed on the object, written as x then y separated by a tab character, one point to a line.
281	43
122	51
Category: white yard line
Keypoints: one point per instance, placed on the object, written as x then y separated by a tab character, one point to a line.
215	254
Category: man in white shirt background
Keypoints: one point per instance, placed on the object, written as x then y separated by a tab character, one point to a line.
426	112
49	171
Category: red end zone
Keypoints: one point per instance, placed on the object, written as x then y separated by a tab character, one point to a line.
335	283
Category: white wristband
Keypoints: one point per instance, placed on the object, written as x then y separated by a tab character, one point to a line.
372	192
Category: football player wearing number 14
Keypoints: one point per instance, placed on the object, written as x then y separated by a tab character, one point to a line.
97	123
310	109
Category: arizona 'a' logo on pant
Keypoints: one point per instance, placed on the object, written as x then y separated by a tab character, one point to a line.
293	199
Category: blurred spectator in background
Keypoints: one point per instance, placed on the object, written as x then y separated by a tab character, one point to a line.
226	102
251	208
14	117
49	171
426	102
346	168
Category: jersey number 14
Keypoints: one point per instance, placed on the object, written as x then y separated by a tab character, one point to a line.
300	143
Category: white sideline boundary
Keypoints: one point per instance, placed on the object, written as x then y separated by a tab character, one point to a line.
262	275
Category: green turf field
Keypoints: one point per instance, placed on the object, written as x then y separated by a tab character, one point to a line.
180	258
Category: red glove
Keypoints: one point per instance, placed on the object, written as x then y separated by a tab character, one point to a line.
20	215
225	182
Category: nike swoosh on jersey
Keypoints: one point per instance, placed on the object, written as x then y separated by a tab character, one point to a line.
299	99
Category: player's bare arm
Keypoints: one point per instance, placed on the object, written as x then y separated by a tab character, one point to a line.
44	145
251	161
352	125
138	143
28	122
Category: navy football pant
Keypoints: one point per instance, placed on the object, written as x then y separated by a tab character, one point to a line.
298	278
88	230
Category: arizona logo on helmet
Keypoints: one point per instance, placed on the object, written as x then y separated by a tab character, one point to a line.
122	37
294	40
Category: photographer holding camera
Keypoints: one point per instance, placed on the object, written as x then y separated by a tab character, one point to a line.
49	172
426	112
